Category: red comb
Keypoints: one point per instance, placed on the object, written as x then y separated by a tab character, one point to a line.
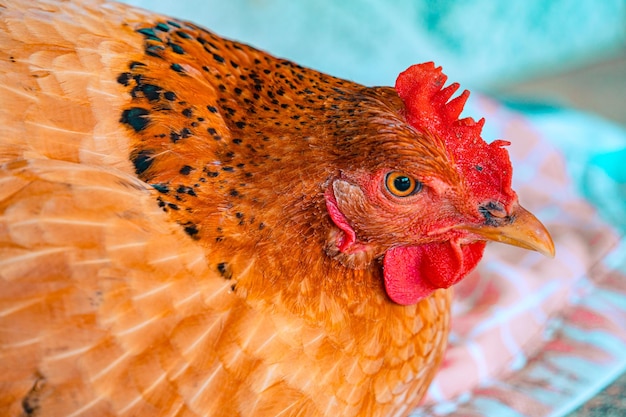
485	167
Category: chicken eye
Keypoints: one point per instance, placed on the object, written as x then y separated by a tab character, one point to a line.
402	185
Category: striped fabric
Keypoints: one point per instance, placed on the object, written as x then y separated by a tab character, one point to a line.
534	336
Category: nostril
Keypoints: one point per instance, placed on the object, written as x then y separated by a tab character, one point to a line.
493	213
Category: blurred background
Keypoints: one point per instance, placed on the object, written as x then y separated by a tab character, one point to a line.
570	52
562	63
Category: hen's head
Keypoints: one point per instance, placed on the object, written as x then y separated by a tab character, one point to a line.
431	196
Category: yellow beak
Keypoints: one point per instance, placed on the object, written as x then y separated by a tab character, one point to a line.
524	231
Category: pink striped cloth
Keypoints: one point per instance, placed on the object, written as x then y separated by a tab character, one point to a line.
534	336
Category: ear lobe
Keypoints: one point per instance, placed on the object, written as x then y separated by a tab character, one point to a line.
337	196
342	244
348	195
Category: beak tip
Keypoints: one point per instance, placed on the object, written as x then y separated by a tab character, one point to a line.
538	236
549	250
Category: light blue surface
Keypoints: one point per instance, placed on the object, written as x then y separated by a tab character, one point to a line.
595	151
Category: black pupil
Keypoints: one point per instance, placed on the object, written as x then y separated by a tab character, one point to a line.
402	183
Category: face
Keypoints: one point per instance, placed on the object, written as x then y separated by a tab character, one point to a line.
429	233
390	208
424	192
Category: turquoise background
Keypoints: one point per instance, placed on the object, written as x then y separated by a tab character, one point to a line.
479	42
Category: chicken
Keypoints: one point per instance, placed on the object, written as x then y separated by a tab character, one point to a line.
192	227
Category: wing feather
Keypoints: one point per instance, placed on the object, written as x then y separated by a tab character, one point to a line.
90	268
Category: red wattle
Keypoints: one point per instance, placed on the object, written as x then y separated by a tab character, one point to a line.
412	273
